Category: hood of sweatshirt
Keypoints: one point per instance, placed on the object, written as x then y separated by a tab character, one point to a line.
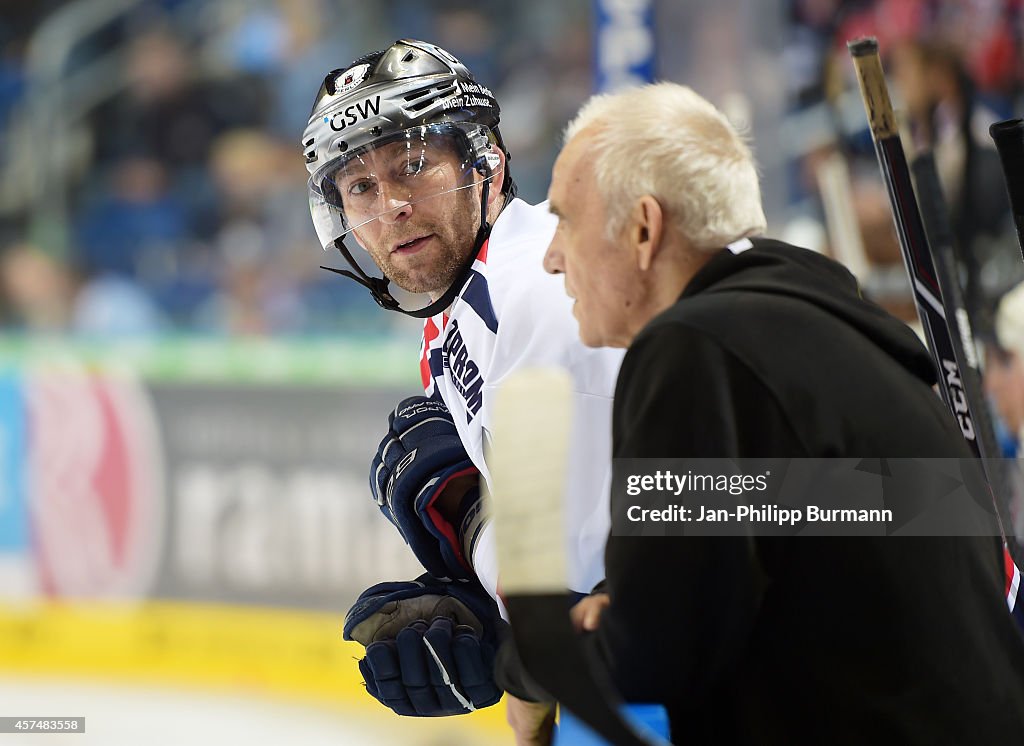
777	268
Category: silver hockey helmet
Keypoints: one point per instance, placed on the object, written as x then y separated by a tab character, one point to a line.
375	130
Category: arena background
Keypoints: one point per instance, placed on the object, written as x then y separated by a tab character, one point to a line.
188	404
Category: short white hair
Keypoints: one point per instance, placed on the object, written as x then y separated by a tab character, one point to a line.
666	141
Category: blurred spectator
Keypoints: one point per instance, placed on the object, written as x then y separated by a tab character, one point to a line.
170	112
37	290
472	34
251	300
111	306
257	179
986	34
1004	369
136	229
12	77
255	232
943	85
1004	384
810	32
256	39
313	43
946	117
42	296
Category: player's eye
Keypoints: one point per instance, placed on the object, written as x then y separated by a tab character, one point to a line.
358	187
414	166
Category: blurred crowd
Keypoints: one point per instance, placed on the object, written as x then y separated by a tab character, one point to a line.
150	178
165	192
954	68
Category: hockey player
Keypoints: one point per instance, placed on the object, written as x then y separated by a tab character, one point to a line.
743	347
407	168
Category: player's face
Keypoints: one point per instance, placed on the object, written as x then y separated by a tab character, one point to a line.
418	243
599	272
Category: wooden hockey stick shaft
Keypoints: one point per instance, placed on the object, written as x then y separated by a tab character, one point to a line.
530	437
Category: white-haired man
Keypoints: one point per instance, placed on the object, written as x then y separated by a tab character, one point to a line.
739	347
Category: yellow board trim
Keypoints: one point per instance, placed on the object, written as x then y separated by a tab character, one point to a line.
284	653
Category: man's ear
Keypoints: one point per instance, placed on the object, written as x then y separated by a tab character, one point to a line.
646	230
494	191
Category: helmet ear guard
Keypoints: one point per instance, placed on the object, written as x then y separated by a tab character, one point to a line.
488	163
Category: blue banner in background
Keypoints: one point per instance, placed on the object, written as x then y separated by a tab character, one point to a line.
624	44
14	533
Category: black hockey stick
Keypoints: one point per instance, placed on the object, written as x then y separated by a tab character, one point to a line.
933	291
917	255
530	436
940	237
1009	139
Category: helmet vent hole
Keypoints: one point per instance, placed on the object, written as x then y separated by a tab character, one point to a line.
376	131
308	142
421	92
409	56
424	97
342	146
421	105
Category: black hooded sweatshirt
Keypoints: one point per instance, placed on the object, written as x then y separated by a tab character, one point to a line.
772	353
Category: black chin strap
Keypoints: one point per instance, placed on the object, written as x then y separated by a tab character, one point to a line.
378	286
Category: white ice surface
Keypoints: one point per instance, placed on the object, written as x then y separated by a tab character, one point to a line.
124	715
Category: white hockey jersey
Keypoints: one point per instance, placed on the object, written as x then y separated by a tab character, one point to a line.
511	314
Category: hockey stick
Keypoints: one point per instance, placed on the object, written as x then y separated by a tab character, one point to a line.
1009	139
845	238
933	291
917	255
530	437
940	236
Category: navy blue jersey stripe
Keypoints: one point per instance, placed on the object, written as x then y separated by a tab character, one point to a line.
436	363
478	297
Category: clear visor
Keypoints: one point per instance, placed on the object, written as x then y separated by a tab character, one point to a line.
395	173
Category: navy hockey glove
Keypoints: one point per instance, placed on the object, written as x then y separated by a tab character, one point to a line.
415	461
430	645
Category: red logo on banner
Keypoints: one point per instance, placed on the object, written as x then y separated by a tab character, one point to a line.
95	484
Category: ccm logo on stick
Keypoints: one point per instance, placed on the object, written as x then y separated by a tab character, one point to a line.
958	399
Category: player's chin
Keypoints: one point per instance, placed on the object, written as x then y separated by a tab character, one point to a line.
416	282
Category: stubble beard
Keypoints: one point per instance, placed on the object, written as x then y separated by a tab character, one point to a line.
435	279
455	237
